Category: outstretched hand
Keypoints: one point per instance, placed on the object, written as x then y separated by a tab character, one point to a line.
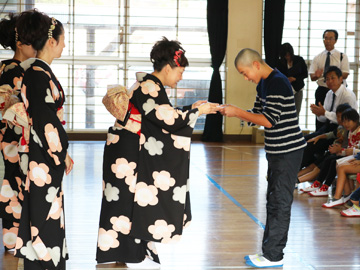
208	108
229	110
198	103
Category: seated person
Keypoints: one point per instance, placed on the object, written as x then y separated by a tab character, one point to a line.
347	165
338	94
340	135
354	210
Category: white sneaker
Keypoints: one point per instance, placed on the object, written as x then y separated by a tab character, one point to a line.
347	198
249	257
353	211
262	262
334	202
313	187
145	264
321	192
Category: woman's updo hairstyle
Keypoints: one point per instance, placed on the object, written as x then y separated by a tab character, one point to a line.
168	52
7	32
34	28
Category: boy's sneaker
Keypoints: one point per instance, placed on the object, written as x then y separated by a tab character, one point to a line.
314	186
262	262
321	192
249	257
354	211
334	202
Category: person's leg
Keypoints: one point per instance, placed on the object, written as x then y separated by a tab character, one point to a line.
310	176
342	172
306	170
281	180
298	100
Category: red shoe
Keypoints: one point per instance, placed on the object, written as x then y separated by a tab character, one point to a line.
314	186
321	192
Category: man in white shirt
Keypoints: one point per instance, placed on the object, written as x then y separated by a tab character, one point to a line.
329	57
326	114
338	94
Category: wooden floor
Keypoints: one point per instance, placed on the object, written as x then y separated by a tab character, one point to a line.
228	189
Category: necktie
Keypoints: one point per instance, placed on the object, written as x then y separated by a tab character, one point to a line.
332	102
327	63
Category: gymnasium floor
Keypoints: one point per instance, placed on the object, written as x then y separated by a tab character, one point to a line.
228	189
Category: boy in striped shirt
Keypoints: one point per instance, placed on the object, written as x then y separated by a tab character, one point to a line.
274	109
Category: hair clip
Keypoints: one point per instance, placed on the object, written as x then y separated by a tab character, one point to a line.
177	56
52	27
16	35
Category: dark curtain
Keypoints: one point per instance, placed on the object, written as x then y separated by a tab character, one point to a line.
217	23
273	29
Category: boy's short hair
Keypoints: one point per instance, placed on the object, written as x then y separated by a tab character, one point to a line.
246	57
335	69
342	107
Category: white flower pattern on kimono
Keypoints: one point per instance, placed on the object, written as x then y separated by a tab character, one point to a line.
149	87
107	239
193	118
170	240
111	193
28	251
24	162
55	254
154	147
64	250
149	105
49	98
161	229
166	113
122	168
181	142
35	137
52	191
180	194
9	237
163	180
112	138
146	195
6	192
121	224
131	182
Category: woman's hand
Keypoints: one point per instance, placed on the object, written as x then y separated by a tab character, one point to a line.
208	108
198	103
69	163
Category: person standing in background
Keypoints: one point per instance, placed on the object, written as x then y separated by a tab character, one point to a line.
11	75
329	57
295	69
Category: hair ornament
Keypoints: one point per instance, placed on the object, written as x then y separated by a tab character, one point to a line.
16	35
177	56
52	27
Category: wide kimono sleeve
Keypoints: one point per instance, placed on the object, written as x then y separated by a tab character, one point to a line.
12	75
152	102
40	95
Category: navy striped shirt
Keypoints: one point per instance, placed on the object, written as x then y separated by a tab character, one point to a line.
275	100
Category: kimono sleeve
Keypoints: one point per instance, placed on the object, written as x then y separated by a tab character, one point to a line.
46	130
12	75
155	107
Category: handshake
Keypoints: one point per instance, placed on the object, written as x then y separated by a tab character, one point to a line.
205	107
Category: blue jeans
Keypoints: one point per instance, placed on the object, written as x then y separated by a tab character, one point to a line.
355	196
282	176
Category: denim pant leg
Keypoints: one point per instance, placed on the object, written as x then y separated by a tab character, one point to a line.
355	196
282	175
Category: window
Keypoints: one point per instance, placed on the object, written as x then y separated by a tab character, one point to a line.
108	41
305	22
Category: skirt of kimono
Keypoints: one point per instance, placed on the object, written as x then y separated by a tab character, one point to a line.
114	242
11	195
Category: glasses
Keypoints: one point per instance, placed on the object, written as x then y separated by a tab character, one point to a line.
329	39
